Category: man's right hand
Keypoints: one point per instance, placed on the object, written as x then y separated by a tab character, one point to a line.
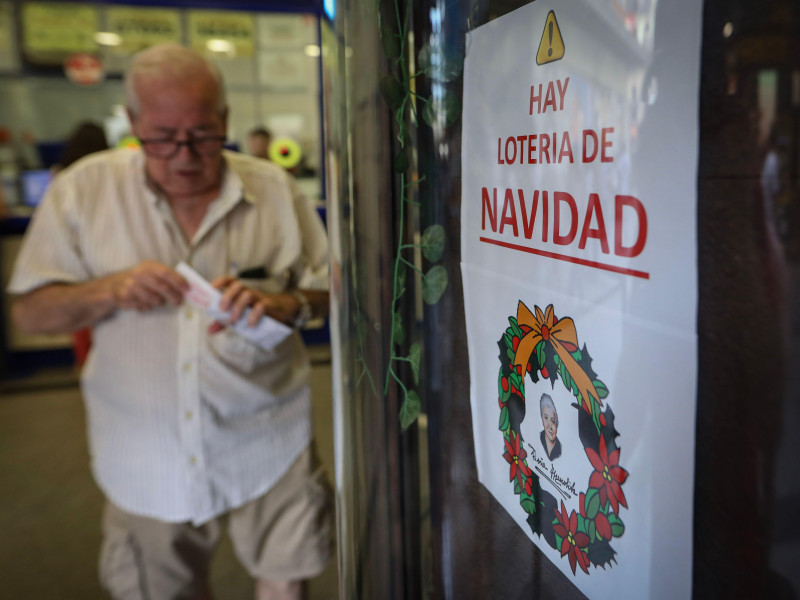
148	285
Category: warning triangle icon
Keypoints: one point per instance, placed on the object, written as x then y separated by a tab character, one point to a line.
551	48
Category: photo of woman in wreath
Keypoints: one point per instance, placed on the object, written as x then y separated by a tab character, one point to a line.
550	443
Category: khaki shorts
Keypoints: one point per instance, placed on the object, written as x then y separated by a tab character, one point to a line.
285	535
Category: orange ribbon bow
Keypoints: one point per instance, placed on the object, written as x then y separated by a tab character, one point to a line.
560	335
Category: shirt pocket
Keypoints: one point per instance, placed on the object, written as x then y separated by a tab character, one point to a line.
237	353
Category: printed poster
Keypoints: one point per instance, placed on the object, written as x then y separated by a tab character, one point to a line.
579	175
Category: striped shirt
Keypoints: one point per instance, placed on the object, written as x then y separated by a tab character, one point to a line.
183	426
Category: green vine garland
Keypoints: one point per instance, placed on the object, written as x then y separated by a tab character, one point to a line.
397	88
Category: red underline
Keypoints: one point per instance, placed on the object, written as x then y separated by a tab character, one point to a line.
570	259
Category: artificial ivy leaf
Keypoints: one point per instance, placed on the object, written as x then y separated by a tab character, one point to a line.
440	64
390	40
392	91
414	355
433	239
410	409
434	283
398	332
400	273
504	419
401	161
441	109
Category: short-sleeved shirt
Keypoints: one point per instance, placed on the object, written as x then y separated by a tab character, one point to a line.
183	425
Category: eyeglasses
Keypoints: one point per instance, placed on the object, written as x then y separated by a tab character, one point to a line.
204	146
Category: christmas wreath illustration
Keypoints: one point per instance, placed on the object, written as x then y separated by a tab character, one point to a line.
543	345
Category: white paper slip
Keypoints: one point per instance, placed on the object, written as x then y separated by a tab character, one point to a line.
267	333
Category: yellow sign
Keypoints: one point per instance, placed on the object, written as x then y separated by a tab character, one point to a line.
139	28
58	27
221	32
551	48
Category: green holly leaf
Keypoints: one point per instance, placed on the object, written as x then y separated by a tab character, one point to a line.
600	388
528	505
592	503
504	394
517	489
392	91
414	356
505	419
617	526
565	377
583	525
433	239
434	283
410	410
540	354
515	327
398	331
592	531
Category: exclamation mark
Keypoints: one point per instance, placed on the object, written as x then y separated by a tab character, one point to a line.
550	50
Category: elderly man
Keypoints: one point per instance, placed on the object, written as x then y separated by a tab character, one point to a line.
191	426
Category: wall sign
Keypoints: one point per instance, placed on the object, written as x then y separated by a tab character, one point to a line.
140	28
58	27
207	27
580	285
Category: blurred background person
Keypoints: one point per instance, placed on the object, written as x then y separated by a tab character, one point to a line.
258	142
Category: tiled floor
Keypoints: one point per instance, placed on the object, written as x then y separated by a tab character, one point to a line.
50	507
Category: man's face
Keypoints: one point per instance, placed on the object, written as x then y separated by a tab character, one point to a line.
169	111
549	423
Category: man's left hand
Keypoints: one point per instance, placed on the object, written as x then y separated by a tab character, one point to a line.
236	297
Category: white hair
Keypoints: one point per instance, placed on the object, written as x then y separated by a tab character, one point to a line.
181	64
547	402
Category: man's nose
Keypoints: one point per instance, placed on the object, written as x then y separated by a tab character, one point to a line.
186	149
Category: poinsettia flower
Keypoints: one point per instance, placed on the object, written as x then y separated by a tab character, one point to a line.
573	541
603	526
515	456
608	476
